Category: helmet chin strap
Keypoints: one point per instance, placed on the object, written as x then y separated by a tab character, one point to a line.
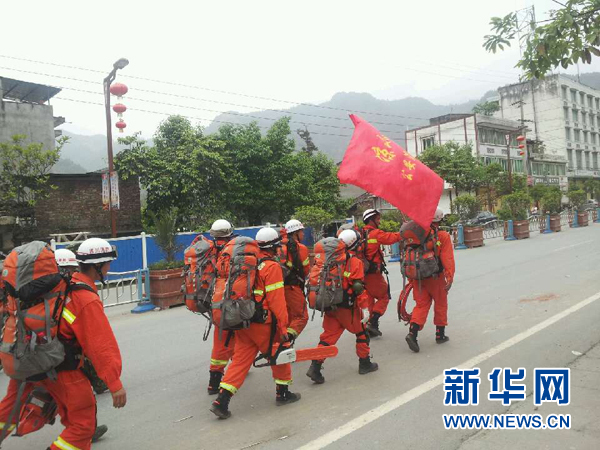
98	268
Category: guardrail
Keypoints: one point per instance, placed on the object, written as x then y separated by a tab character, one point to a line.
135	283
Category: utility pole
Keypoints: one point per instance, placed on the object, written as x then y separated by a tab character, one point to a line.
510	184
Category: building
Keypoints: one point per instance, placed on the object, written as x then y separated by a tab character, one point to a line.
25	109
487	136
565	116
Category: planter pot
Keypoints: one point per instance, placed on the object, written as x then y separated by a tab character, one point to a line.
473	237
165	287
582	219
520	229
555	222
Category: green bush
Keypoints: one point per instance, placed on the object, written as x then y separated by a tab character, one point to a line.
466	207
449	220
551	202
165	265
577	197
515	206
389	225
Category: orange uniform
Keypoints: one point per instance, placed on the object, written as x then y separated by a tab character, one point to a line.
294	288
434	289
348	317
375	283
268	289
84	322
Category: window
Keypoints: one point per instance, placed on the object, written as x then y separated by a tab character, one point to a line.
427	142
574	96
566	111
564	92
582	98
561	169
593	138
517	165
585	137
575	116
570	157
496	137
579	159
576	135
583	118
568	134
598	103
587	161
591	102
595	160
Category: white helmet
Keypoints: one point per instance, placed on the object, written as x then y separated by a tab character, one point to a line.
221	228
293	225
369	213
267	237
349	237
96	250
438	216
65	258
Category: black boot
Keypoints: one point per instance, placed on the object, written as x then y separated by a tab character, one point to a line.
314	372
220	406
100	431
284	396
373	325
365	365
411	337
214	382
440	335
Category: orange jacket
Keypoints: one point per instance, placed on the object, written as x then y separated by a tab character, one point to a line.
375	239
268	288
302	256
446	252
83	320
354	271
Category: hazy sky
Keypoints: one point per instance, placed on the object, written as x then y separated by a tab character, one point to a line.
282	50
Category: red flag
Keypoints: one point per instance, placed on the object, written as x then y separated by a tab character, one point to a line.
383	168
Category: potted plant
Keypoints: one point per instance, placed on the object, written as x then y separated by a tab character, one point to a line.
577	198
166	276
551	204
466	208
515	207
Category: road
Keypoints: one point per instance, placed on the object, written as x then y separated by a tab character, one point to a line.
513	304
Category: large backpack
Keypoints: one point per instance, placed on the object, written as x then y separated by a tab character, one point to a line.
420	253
289	259
233	304
326	278
35	299
200	274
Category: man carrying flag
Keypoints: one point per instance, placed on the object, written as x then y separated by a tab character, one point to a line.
380	166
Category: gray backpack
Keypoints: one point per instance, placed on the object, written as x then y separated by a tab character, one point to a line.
326	278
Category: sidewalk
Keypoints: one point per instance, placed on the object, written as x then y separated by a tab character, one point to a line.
584	409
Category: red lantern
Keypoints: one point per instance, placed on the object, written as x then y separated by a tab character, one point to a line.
521	153
121	125
521	146
520	138
118	89
119	108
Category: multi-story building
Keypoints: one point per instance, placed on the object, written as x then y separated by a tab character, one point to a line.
487	136
565	116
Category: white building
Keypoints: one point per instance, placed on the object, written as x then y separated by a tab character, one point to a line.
565	116
485	134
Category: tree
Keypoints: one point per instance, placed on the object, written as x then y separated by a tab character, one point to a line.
166	237
551	201
314	217
183	170
24	180
519	183
592	187
571	35
466	207
489	176
537	191
515	206
486	108
310	146
577	198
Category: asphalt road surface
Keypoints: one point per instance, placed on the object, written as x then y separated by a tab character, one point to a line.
527	304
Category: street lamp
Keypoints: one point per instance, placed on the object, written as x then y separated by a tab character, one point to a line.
120	64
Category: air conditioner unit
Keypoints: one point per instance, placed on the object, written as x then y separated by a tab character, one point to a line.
577	146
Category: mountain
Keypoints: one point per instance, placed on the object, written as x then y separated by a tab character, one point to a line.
331	128
88	152
65	165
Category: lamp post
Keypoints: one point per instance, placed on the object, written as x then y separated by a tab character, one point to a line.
120	64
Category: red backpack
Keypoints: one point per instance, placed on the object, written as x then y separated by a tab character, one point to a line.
200	274
326	278
233	304
35	299
420	252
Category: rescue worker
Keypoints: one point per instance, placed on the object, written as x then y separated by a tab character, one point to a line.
297	262
351	315
377	287
269	291
222	232
67	264
434	289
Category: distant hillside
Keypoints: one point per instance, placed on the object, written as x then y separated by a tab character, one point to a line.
331	128
88	152
65	165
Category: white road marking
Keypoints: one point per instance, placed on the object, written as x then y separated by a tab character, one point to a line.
391	405
571	246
